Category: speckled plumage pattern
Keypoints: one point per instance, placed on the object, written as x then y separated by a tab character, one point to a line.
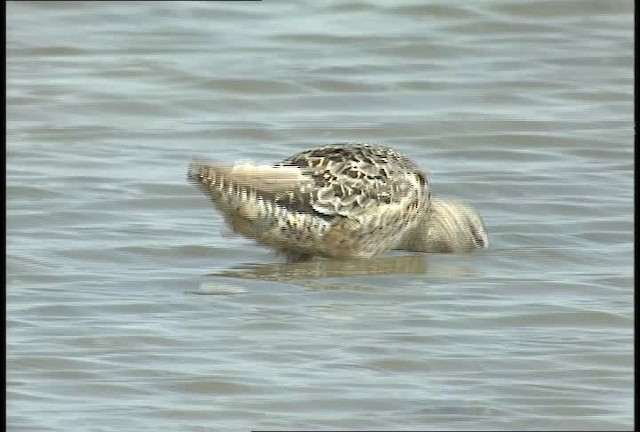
341	200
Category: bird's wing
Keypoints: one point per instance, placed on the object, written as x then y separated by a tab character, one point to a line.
354	181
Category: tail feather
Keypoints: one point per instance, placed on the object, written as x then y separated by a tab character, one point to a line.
260	178
252	198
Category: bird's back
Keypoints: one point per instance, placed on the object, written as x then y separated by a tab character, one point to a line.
340	200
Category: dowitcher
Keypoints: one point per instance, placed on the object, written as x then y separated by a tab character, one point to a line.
339	201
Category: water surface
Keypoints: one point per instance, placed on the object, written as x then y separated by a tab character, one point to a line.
131	307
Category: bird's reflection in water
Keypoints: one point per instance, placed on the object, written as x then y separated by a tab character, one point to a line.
319	269
310	274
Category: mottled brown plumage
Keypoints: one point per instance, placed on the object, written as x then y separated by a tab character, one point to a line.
342	200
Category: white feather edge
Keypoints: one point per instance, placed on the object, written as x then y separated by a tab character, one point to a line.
260	177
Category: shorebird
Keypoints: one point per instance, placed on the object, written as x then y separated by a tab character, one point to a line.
338	201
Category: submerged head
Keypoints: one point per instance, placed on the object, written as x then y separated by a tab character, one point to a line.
455	227
449	227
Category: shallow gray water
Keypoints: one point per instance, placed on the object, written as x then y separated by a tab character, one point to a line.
130	307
